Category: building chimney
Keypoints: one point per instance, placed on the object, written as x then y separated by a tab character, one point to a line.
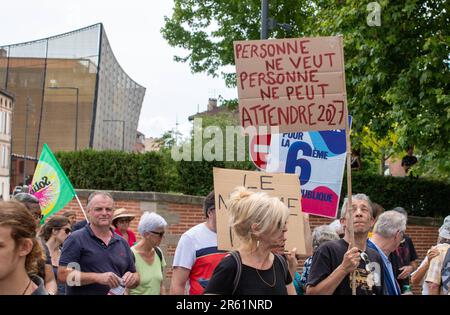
212	103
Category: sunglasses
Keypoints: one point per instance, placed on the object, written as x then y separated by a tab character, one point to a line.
67	230
161	234
123	220
38	216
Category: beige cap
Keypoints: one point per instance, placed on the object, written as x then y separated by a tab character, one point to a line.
122	213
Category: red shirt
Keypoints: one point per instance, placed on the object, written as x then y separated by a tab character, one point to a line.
131	236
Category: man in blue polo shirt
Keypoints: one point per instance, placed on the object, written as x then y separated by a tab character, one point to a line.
94	259
387	235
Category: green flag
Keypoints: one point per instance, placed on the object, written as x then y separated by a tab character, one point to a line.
50	184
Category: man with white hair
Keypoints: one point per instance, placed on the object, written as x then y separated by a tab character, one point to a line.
335	262
438	277
387	236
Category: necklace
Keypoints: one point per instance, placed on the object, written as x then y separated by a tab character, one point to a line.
274	276
29	282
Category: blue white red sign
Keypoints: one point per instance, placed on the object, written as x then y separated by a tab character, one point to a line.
318	157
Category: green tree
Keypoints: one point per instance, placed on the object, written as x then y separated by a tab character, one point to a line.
397	74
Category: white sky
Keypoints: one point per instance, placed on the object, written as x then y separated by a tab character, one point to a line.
133	29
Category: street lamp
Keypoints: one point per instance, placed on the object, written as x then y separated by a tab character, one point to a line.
123	130
76	113
270	23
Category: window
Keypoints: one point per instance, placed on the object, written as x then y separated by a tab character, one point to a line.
5	123
3	163
8	128
1	122
3	130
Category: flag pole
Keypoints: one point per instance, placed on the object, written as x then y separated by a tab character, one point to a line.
82	209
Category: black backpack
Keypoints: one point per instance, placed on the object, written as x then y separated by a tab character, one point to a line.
237	257
159	253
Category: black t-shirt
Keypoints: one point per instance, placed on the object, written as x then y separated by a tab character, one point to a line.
250	282
330	255
403	256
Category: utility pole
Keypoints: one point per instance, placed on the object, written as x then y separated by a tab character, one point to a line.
264	18
270	23
27	108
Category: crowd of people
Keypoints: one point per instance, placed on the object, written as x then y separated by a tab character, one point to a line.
367	253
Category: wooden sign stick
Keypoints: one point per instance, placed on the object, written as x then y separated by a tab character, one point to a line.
349	180
349	202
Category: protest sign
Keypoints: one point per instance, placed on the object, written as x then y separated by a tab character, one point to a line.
295	84
283	186
317	157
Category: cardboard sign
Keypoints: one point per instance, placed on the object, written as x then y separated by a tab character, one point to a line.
317	157
283	186
295	84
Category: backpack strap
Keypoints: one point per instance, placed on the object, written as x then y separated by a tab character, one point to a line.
237	276
284	264
445	278
159	253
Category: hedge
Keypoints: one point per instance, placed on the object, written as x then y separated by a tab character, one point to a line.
115	170
419	197
156	171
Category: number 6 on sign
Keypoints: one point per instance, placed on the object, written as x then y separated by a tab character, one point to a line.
292	162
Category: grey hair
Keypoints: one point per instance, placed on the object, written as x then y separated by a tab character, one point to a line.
323	233
356	197
444	230
98	193
336	226
25	198
389	223
150	221
401	210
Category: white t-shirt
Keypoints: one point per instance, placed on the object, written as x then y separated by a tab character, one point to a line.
197	251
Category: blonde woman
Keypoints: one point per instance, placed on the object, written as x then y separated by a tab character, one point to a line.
260	223
150	261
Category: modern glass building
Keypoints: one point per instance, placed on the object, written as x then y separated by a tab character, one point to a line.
71	93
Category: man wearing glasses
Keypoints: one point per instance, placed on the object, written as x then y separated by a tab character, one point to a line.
45	270
388	233
101	259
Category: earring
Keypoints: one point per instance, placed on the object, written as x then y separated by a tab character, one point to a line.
257	243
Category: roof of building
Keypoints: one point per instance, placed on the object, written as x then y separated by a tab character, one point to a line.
7	94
